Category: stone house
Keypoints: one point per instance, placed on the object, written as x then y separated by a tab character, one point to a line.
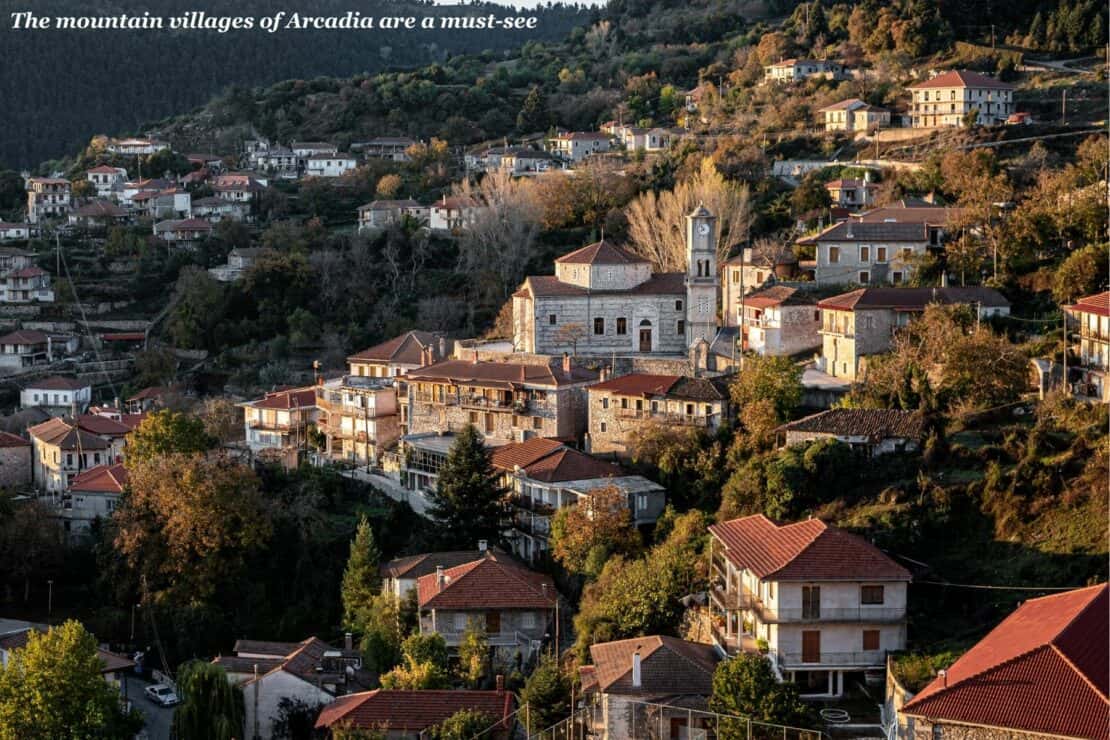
949	98
106	179
185	232
399	576
750	270
98	215
852	192
873	431
27	284
25	348
410	715
57	395
276	425
780	321
623	405
624	674
1089	379
515	606
574	146
311	670
386	147
528	396
381	214
359	418
854	115
92	494
15	461
863	322
60	449
1041	673
829	605
604	300
544	475
215	209
48	198
239	261
868	253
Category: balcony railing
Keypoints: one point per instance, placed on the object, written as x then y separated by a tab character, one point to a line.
694	420
262	424
827	614
530	504
731	600
790	659
493	404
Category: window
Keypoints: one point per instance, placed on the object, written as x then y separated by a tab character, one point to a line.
811	602
473	417
528	620
639	404
624	403
603	427
552	319
880	254
870	639
736	276
871	594
907	253
896	278
605	402
599	326
680	327
865	254
641	501
655	407
460	621
96	458
834	255
689	409
537	422
703	305
69	459
622	326
678	305
770	589
864	277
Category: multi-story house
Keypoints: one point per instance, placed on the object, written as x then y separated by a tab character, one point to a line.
855	115
506	401
793	70
1093	316
868	253
871	431
22	281
949	99
939	221
239	261
544	475
24	348
280	162
386	147
11	232
306	149
56	395
852	192
515	606
604	300
624	405
358	417
779	320
215	209
1041	673
381	214
106	179
238	187
393	358
574	146
329	165
453	213
753	268
60	449
277	424
824	605
185	232
98	214
863	322
522	161
48	198
93	494
136	146
399	576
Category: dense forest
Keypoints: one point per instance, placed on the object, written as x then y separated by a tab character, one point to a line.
61	87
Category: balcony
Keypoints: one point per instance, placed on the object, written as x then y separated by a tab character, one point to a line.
532	524
876	614
730	600
530	504
689	420
838	331
268	425
790	659
491	404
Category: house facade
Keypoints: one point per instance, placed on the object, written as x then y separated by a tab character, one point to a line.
381	214
854	115
48	198
453	213
399	576
276	426
329	165
359	417
794	70
93	494
779	321
948	99
1089	380
25	348
620	407
106	179
868	253
575	146
11	232
57	395
852	192
863	322
61	449
870	431
394	148
828	604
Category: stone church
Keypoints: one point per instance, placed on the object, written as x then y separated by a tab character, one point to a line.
603	300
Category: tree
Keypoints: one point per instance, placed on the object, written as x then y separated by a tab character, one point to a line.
296	719
547	694
569	335
211	706
474	654
199	304
745	685
53	688
533	115
381	628
810	195
464	724
388	186
164	433
1083	273
31	544
652	219
424	667
766	378
223	421
361	582
467	503
587	534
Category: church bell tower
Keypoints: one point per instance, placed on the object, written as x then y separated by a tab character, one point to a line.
702	279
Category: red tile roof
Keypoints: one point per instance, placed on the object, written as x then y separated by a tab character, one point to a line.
405	349
296	398
777	295
498	374
24	336
57	383
414	566
637	384
101	479
806	550
1044	669
62	434
8	439
875	424
490	582
601	253
660	283
668	665
1098	304
934	215
962	78
551	461
104	169
103	426
912	299
413	711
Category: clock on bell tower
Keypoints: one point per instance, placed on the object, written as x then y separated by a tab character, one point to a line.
702	279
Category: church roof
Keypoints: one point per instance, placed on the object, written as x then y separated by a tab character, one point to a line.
661	283
601	253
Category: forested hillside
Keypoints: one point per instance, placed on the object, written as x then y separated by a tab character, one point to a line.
61	87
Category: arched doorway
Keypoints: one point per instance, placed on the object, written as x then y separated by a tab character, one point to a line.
645	336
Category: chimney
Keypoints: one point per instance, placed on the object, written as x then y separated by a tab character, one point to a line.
348	641
943	675
440	578
566	364
482	545
442	347
604	373
500	683
636	677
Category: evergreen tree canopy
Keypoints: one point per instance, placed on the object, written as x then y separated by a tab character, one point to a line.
211	707
467	503
361	581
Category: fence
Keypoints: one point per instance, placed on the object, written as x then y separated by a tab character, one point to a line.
642	720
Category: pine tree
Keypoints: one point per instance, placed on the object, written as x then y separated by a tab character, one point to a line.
467	503
533	114
361	582
547	694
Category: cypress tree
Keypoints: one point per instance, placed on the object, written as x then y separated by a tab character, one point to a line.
361	582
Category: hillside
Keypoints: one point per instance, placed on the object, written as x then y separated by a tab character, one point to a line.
61	87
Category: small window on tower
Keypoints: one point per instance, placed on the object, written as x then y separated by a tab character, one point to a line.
680	327
678	305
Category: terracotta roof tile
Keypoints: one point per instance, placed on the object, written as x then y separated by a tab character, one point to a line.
296	398
60	433
24	336
962	78
805	550
412	711
405	349
414	566
491	582
498	374
1044	669
668	666
101	479
1098	304
57	383
778	295
637	384
913	299
876	424
601	253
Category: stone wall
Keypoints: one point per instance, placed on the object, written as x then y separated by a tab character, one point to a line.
660	312
15	466
922	729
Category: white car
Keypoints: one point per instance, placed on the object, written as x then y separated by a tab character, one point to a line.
161	694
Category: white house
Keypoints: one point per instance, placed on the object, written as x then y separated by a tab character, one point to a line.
779	321
136	146
855	115
828	605
277	425
949	98
574	146
793	70
57	395
306	149
93	494
214	209
329	165
14	232
453	213
106	179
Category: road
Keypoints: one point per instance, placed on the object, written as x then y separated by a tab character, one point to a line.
158	719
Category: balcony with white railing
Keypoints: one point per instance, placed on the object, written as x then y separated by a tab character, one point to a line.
862	613
789	659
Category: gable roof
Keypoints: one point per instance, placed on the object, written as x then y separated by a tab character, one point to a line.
1044	669
876	424
668	666
111	662
295	398
412	711
56	383
24	336
1098	304
920	214
7	439
414	566
601	253
490	582
805	550
498	374
660	283
404	349
103	425
913	299
101	479
778	295
637	384
868	231
60	433
551	461
962	78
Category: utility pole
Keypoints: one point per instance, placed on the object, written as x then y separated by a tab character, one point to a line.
49	597
1064	317
1064	107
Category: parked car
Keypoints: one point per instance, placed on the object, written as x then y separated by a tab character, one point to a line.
161	694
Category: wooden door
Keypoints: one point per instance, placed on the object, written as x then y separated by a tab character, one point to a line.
811	646
493	622
645	340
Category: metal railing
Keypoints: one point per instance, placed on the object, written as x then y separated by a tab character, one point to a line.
829	614
789	659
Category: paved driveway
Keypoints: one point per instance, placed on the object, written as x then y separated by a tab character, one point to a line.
158	719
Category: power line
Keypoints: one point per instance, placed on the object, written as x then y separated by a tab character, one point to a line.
997	588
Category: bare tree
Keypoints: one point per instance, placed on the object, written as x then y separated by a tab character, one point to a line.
569	335
657	223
